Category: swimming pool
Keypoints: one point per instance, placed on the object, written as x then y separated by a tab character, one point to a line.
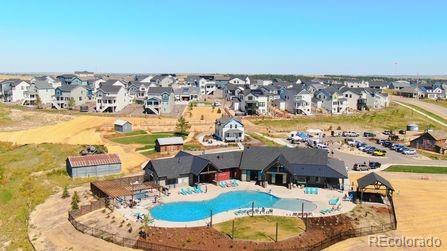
185	211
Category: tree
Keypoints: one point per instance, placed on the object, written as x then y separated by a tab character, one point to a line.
147	220
75	201
218	110
182	126
65	193
71	103
38	102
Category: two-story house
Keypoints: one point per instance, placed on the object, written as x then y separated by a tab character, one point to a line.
186	93
331	100
253	102
69	79
69	96
298	101
229	129
159	100
40	90
14	90
207	87
111	96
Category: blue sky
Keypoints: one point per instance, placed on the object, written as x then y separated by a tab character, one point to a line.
299	37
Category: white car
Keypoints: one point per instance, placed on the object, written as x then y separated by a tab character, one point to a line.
409	152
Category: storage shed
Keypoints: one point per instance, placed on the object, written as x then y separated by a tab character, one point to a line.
93	165
412	127
169	144
122	126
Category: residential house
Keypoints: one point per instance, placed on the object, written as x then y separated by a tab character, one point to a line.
356	84
163	80
14	90
207	87
264	165
186	93
42	90
400	84
47	79
69	79
112	96
221	81
64	93
432	92
297	101
435	141
229	129
410	92
253	102
138	90
159	100
237	81
380	85
331	100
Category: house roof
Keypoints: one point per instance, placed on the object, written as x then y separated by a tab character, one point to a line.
226	119
371	179
67	88
170	141
93	160
110	87
438	135
13	82
306	162
160	90
121	122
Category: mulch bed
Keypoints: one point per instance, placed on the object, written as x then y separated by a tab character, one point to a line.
318	229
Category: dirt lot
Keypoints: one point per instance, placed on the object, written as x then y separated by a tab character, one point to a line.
21	120
420	206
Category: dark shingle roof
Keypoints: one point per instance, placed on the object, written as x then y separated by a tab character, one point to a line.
371	179
160	90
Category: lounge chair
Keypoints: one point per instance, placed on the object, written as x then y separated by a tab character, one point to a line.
199	189
221	184
334	201
228	183
234	182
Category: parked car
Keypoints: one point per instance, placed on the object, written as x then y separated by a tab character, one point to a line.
369	134
374	164
361	167
409	151
379	152
350	134
371	150
387	144
380	141
396	146
363	147
387	132
350	142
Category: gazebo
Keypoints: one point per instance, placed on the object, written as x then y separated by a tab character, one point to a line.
378	184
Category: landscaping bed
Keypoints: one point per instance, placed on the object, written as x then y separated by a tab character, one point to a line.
318	230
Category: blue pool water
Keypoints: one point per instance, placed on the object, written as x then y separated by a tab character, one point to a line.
197	210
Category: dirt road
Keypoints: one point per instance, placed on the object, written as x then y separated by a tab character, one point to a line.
436	109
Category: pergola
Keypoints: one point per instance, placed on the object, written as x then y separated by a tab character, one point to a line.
376	181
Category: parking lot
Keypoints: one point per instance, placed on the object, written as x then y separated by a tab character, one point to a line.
352	155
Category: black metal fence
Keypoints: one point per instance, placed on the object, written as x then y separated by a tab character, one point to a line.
118	240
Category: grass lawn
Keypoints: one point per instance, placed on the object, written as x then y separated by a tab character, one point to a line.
435	116
28	175
262	228
265	141
391	118
142	138
417	169
442	103
4	114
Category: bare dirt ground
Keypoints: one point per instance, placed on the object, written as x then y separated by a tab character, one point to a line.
22	120
49	228
420	207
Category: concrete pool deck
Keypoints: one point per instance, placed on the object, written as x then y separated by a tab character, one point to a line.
321	200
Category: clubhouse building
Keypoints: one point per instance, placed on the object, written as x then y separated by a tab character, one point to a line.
263	165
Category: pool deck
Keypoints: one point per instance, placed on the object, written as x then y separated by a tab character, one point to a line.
321	200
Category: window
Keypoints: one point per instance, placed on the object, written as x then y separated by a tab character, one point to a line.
80	98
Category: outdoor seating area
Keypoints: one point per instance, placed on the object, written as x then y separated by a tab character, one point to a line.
227	183
255	211
331	209
311	190
191	190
